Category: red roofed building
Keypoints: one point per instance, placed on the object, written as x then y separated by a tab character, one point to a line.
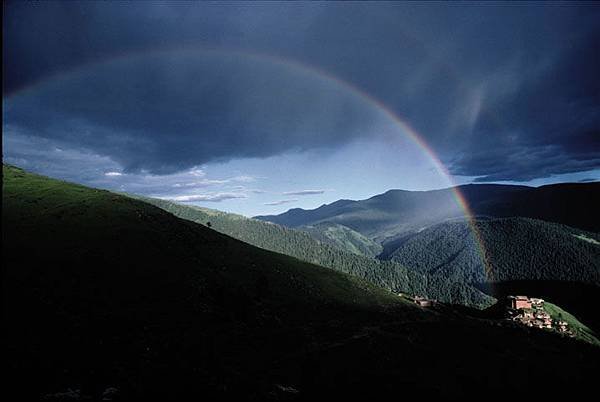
519	302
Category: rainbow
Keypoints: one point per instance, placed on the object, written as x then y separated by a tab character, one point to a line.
370	100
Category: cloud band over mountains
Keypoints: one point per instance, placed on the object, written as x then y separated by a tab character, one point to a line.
215	197
280	202
304	192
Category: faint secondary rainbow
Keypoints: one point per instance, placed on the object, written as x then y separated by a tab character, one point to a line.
375	103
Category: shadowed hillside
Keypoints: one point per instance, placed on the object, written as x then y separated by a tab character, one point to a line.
104	294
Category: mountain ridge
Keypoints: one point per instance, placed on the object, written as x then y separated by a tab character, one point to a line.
383	216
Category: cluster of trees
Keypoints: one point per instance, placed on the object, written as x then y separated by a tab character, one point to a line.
386	274
521	248
343	238
515	249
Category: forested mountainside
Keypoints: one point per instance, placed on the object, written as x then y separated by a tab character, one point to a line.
516	249
301	245
343	238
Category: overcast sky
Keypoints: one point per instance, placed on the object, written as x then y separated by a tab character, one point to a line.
261	107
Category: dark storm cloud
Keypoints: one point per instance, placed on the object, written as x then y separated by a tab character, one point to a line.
502	92
549	124
168	111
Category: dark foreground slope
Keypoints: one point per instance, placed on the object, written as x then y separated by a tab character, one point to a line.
105	294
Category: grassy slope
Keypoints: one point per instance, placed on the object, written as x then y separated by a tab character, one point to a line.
98	281
580	330
101	290
56	209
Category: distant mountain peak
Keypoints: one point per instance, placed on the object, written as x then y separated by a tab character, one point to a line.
396	211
